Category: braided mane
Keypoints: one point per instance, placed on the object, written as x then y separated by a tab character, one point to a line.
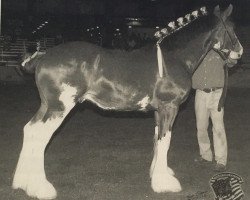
182	32
180	23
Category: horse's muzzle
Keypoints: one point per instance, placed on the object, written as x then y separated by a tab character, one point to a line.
236	54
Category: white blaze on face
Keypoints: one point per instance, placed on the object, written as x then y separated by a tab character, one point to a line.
144	102
236	55
241	50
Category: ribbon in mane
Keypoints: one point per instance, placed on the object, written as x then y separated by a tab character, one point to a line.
160	60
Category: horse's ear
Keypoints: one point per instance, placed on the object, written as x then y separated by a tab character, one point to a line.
227	12
217	11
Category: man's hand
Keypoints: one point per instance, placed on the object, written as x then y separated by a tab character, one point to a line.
231	62
234	55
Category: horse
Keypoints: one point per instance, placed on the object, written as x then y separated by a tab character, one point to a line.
112	79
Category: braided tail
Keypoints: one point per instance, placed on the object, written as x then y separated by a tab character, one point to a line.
30	63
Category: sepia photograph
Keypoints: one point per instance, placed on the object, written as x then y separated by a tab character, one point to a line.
125	99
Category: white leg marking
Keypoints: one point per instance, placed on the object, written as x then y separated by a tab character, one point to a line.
144	102
155	152
162	177
30	174
170	171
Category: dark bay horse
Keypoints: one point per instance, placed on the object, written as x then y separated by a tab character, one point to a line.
118	80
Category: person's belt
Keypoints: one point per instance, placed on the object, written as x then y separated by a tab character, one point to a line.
208	90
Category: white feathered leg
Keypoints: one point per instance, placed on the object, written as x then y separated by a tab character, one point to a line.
162	177
30	174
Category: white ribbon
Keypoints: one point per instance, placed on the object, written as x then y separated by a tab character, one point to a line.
159	58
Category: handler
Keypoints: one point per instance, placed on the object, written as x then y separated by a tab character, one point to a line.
208	80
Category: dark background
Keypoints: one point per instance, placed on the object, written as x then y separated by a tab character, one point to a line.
106	157
70	18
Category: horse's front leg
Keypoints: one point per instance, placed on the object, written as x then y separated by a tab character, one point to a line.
162	177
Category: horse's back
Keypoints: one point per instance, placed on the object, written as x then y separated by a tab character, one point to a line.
116	65
84	51
98	73
69	51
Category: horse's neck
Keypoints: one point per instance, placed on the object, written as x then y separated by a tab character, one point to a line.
199	49
193	52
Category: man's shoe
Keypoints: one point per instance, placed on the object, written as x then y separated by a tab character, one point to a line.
219	167
202	161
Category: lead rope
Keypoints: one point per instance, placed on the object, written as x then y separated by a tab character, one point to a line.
224	89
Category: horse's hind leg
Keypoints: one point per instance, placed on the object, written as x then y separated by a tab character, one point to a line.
162	177
30	174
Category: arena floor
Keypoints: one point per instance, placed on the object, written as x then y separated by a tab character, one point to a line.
98	155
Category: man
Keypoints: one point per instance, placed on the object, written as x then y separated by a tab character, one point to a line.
208	80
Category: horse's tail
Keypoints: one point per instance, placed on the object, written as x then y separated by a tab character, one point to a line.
29	59
29	66
29	63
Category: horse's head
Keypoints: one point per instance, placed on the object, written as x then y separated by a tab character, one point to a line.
225	38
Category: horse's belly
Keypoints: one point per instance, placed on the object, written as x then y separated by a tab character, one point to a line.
120	102
109	93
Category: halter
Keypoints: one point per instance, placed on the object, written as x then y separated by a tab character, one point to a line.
225	27
172	28
220	51
224	57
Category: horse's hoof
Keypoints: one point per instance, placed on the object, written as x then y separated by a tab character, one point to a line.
165	183
42	190
19	181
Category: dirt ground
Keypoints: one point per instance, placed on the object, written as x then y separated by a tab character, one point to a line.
98	155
